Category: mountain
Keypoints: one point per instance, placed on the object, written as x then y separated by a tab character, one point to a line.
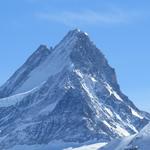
67	93
139	141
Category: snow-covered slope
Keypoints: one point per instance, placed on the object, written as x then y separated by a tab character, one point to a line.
67	93
19	81
59	145
139	141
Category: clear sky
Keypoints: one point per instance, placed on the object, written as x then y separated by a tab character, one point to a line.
121	29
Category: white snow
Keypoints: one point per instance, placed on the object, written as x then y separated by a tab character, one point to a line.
58	145
126	123
88	85
118	117
12	100
109	111
78	73
88	91
133	128
145	131
93	79
112	92
117	96
140	140
86	33
122	131
107	124
55	63
135	113
52	66
118	144
96	146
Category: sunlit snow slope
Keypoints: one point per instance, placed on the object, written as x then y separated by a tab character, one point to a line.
139	141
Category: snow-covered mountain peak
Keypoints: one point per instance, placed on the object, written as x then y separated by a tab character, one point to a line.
78	46
77	32
67	93
73	38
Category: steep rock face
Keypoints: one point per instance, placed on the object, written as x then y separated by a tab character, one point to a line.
69	93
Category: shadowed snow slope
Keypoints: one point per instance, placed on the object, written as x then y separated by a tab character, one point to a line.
67	93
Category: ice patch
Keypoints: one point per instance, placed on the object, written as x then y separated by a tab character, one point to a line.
107	124
136	113
85	87
112	92
93	79
122	131
86	33
109	112
78	73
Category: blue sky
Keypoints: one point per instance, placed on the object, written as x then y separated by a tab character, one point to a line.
119	28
